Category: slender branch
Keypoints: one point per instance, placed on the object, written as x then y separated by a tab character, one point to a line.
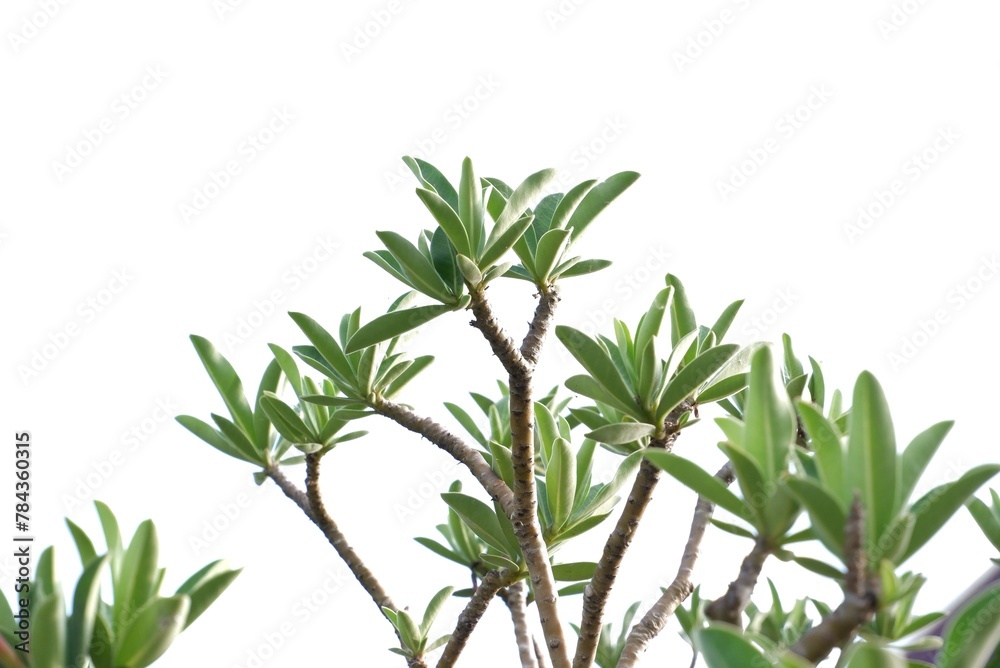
514	597
548	298
454	446
653	622
539	654
524	517
596	594
311	504
860	597
473	612
729	607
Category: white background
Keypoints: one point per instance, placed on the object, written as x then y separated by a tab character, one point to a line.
591	88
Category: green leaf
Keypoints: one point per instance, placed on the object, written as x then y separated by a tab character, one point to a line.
871	456
936	507
433	608
598	364
479	517
768	417
828	518
568	203
152	631
725	320
917	455
408	630
549	251
395	323
286	420
522	198
560	482
417	268
700	481
682	316
866	655
604	499
792	364
112	535
505	241
817	386
757	492
469	270
327	347
693	376
580	268
138	574
733	529
724	646
818	567
973	634
411	371
81	621
987	521
622	433
573	572
48	632
206	592
597	199
235	436
441	550
650	324
226	381
83	543
432	179
589	387
830	455
448	220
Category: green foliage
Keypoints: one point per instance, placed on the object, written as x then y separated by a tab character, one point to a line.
132	631
415	639
609	646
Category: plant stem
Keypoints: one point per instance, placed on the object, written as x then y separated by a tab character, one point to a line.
860	596
474	610
454	446
729	607
653	622
596	594
520	369
514	597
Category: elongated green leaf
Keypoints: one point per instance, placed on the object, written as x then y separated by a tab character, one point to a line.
724	646
286	420
522	198
597	199
598	364
871	456
505	241
432	179
721	389
226	381
817	386
792	364
152	631
693	376
83	543
700	481
830	455
549	251
469	270
987	521
580	268
725	320
470	208
48	633
326	346
112	535
828	518
408	374
865	655
768	417
653	319
81	621
589	387
418	268
573	572
448	219
974	634
408	630
757	491
682	316
261	425
433	608
568	203
917	455
502	462
206	592
467	423
560	482
936	507
237	438
622	433
395	323
139	572
603	501
441	550
479	517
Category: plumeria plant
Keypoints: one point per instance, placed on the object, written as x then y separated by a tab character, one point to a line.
802	470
